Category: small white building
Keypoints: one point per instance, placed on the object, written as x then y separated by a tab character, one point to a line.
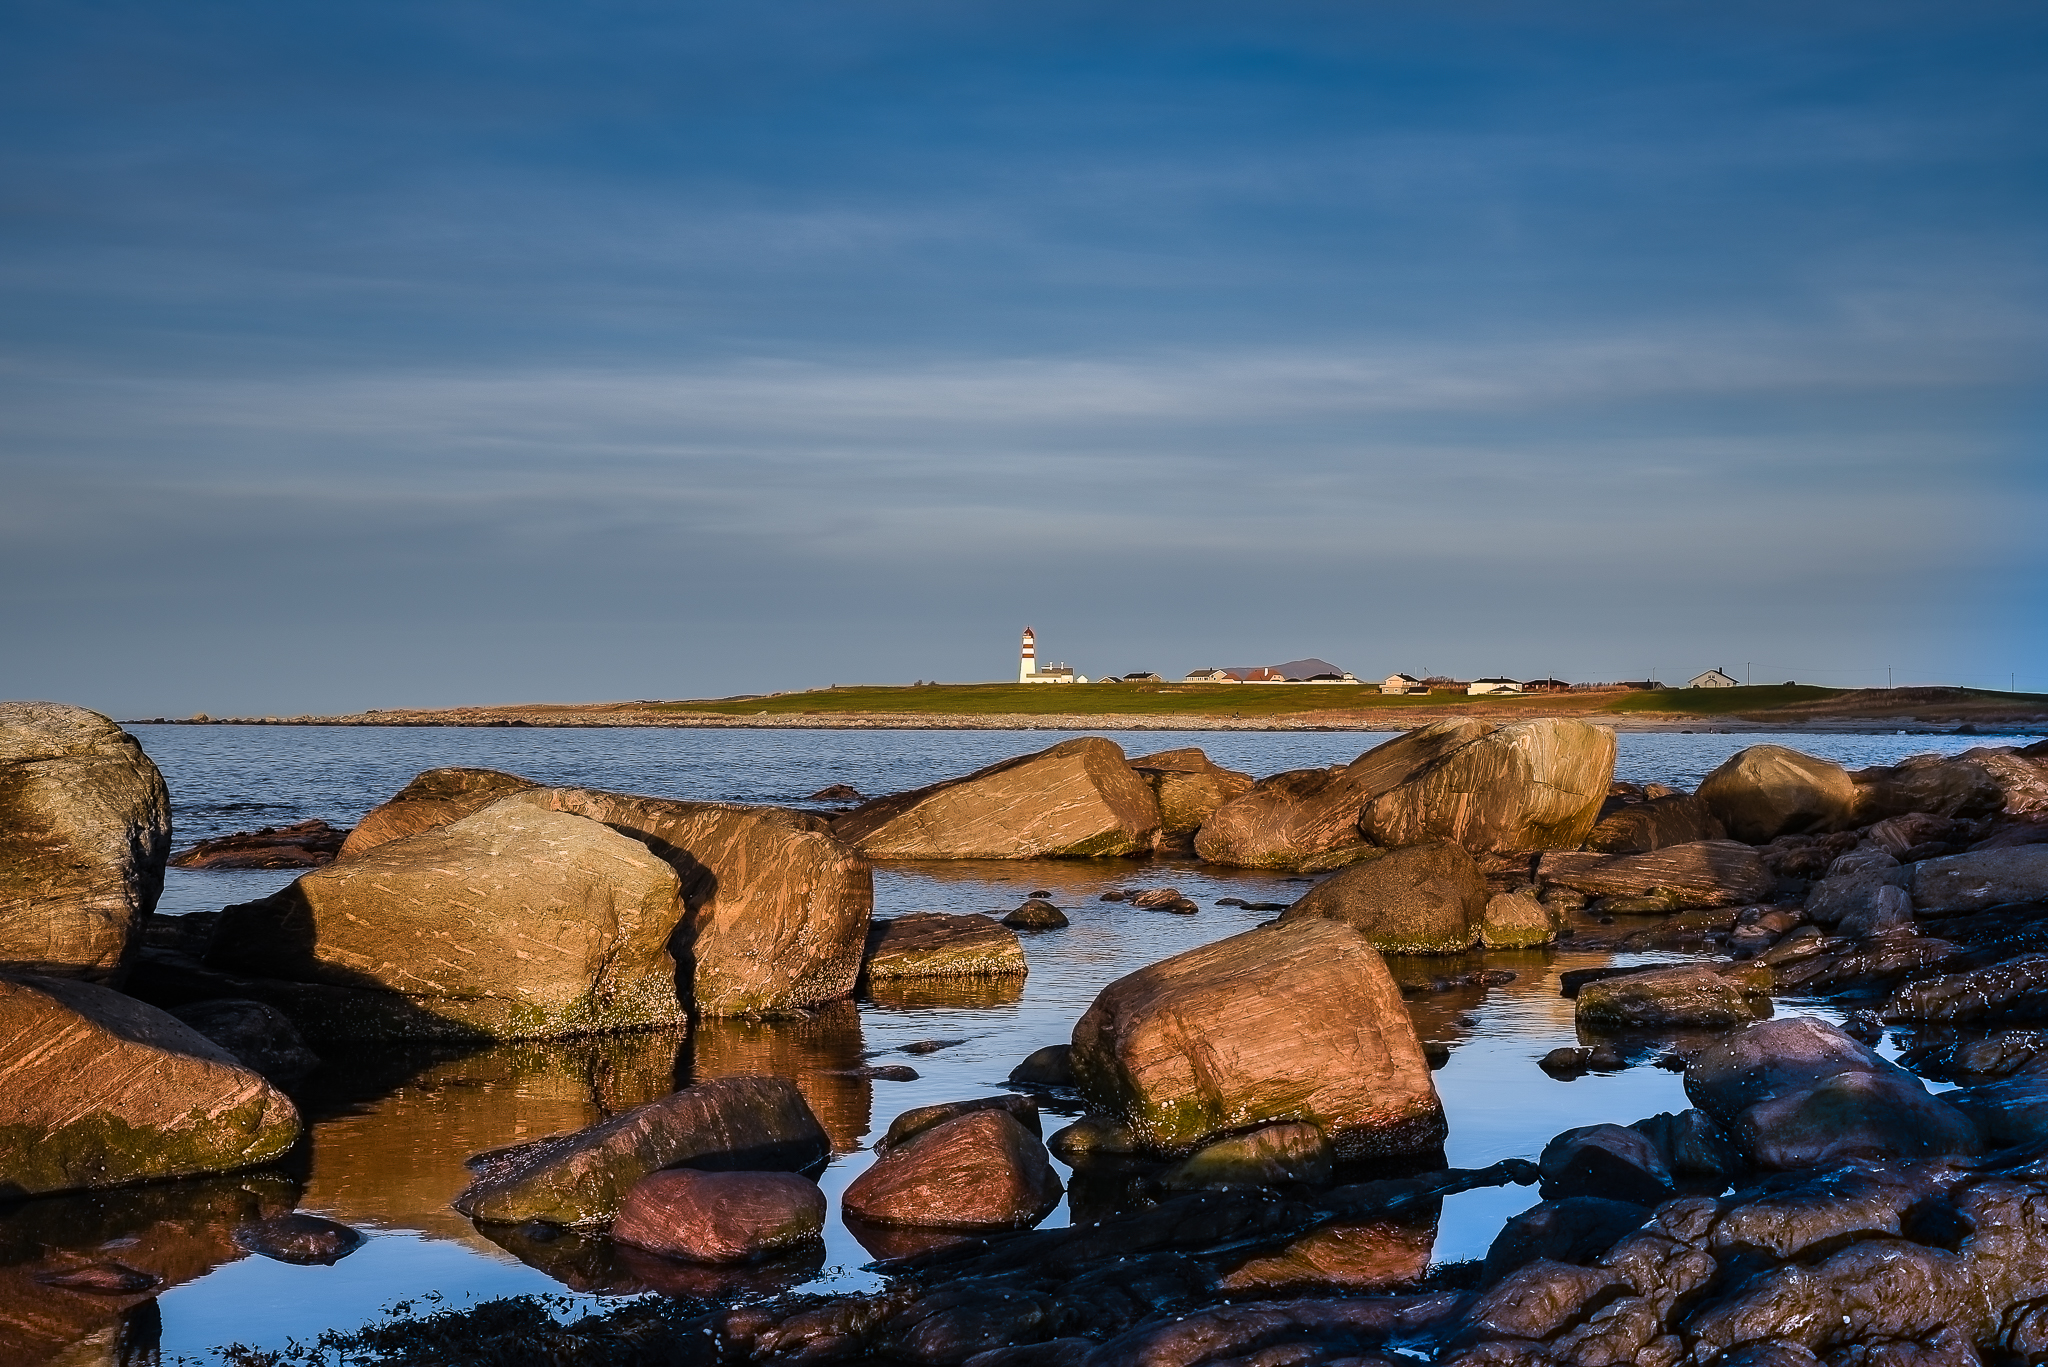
1206	676
1714	678
1479	688
1398	684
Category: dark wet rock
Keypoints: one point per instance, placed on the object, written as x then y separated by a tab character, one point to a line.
880	1072
1281	1331
1539	1298
721	1217
921	1047
1094	1136
2015	990
1036	914
260	1037
837	792
1863	966
1853	1202
980	1170
1611	1161
1298	1021
1114	895
1900	835
1566	1061
1888	909
1768	791
1969	1057
99	1090
1984	878
1365	1255
102	1279
1051	1066
1272	1155
1575	1230
1852	884
300	845
913	1122
730	1124
1424	899
1190	787
85	826
1688	995
301	1239
1079	799
1799	1092
435	798
1876	1289
1932	787
1692	1145
1165	899
931	944
495	883
1635	824
2010	1111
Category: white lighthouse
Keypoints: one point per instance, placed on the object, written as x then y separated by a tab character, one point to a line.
1027	658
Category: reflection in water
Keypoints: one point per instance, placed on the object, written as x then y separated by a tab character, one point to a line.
173	1231
900	1241
1348	1257
957	994
388	1152
588	1262
813	1050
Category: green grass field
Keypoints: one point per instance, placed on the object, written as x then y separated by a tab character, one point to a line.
1721	702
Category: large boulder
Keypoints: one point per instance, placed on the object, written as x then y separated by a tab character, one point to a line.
721	1217
1299	1022
1636	825
514	923
979	1170
438	797
775	908
1799	1092
85	827
730	1124
1529	785
99	1090
1425	899
1078	800
1701	873
1981	879
1767	791
1309	818
1190	787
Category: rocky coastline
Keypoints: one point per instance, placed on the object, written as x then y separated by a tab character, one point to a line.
1257	1158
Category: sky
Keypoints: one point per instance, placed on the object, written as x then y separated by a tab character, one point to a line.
413	354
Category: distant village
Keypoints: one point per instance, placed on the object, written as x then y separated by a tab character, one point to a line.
1317	671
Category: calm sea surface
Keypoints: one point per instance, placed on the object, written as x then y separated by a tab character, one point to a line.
389	1133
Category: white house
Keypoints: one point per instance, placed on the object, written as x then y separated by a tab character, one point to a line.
1713	678
1403	683
1029	672
1481	687
1206	676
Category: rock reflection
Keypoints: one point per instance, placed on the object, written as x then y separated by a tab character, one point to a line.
885	1242
591	1263
813	1051
388	1139
173	1231
1349	1257
925	994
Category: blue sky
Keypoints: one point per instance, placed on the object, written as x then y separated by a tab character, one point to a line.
393	354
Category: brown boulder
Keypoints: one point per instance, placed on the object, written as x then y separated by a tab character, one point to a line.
1981	879
301	845
514	923
435	798
981	1170
1627	827
99	1090
1515	920
85	824
775	908
1307	819
1976	783
913	1122
732	1124
1703	873
1767	791
1530	785
1424	899
933	944
1299	1021
1077	800
721	1217
1190	787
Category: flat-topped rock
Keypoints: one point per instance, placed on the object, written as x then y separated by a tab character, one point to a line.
1700	873
933	944
1078	800
85	827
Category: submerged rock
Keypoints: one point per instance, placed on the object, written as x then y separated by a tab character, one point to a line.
1051	1066
85	825
1271	1155
300	1239
1078	800
932	944
99	1090
1425	899
1036	914
729	1124
1298	1021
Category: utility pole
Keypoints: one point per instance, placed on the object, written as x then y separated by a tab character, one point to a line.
1887	678
1747	665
